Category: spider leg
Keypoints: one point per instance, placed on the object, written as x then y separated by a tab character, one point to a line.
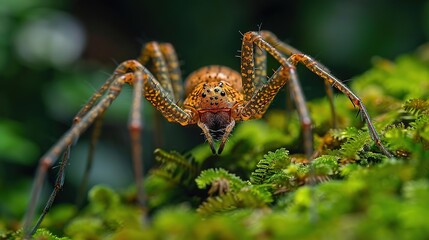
90	159
159	97
49	159
304	115
59	182
257	104
260	67
94	137
285	48
162	59
327	76
94	98
173	66
135	127
330	93
256	101
162	101
294	88
164	65
259	100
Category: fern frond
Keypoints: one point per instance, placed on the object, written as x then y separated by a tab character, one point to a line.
342	134
255	195
246	197
207	177
325	165
416	106
399	137
371	157
354	145
45	234
174	157
272	163
220	203
175	167
421	123
165	174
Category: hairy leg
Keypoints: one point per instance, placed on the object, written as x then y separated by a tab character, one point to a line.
49	159
259	100
327	76
161	58
288	50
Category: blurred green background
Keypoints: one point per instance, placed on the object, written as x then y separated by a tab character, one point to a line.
54	54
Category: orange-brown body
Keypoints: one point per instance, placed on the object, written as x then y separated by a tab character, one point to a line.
214	94
213	89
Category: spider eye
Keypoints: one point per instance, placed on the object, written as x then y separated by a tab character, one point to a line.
222	93
203	95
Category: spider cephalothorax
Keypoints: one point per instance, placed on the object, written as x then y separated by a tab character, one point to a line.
216	97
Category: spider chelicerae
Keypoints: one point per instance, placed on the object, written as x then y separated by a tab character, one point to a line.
216	97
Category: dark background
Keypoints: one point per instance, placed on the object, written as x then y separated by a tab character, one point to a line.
46	74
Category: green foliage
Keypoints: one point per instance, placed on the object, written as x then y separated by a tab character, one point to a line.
41	234
416	106
406	78
271	164
104	214
232	192
174	166
174	176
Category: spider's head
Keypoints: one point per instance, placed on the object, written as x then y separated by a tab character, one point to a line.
216	125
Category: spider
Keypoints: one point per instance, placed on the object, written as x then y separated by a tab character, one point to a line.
216	98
